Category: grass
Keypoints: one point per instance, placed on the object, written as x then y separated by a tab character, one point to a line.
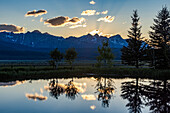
46	72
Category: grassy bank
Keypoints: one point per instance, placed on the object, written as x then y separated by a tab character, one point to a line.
46	72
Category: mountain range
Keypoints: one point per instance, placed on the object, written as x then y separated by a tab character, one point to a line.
37	45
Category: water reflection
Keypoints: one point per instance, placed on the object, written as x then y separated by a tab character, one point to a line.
55	88
155	94
71	89
10	84
36	96
93	94
105	90
132	91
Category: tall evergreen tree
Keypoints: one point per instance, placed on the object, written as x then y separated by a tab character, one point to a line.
160	38
135	50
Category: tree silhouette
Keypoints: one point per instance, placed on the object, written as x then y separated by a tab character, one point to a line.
106	54
70	56
135	50
160	38
105	89
132	91
56	56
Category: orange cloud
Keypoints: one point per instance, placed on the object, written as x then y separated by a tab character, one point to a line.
104	12
89	12
10	84
93	12
107	19
36	13
41	19
93	107
63	21
88	97
11	28
35	96
96	32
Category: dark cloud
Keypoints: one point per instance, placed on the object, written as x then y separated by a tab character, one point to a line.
62	21
36	13
57	21
11	28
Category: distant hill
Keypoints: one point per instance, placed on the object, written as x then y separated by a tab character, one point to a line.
37	45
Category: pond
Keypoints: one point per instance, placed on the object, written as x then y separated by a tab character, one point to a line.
85	95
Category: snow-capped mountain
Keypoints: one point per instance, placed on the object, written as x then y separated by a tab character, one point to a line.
37	45
36	39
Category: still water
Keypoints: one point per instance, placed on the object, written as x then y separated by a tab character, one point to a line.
85	95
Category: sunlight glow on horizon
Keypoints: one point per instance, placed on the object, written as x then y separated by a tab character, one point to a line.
113	16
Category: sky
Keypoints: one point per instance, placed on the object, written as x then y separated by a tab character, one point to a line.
77	17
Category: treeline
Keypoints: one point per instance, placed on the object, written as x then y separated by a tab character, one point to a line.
155	51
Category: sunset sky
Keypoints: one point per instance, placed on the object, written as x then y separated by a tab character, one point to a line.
78	17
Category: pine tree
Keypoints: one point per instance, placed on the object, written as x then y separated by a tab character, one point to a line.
160	38
135	50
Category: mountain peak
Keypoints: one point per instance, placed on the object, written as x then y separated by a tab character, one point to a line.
46	33
36	31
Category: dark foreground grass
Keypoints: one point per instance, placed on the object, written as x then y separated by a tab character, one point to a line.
47	72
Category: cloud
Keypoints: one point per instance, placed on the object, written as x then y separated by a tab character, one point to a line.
108	35
93	12
88	97
97	13
93	107
104	12
11	28
63	21
75	26
92	2
89	12
41	90
41	19
36	13
95	32
107	19
11	84
35	96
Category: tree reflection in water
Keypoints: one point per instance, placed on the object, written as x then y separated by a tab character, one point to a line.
105	90
155	94
57	89
132	91
71	90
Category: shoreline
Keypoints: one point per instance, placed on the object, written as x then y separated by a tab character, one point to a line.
27	73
